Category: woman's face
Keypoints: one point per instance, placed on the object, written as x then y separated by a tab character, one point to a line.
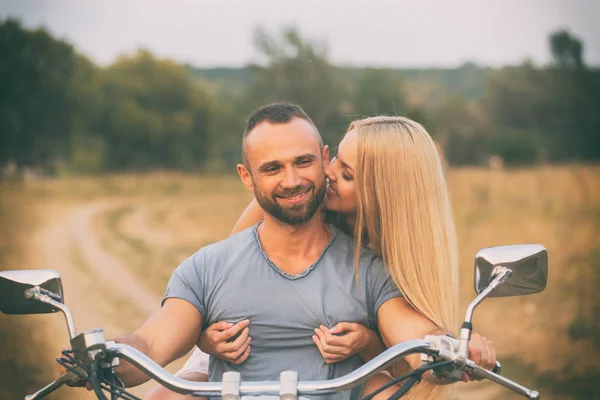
341	189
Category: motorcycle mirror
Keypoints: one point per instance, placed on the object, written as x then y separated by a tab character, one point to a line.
13	285
527	262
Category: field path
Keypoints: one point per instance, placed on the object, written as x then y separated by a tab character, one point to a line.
100	291
106	266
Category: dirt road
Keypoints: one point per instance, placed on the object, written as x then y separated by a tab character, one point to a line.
100	291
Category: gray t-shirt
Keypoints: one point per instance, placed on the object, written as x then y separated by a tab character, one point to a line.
234	280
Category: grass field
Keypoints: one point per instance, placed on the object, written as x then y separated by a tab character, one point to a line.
150	223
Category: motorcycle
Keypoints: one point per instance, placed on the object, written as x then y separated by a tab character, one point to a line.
500	271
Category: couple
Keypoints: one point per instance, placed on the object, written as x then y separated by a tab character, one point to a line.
306	294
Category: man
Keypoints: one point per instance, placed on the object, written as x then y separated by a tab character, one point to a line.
287	275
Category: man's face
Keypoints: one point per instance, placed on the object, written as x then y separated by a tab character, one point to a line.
286	172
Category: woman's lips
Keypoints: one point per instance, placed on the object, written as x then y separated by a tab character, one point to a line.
331	191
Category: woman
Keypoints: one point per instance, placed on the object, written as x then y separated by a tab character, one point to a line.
387	188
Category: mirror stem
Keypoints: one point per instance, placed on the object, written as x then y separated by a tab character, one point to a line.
501	275
35	294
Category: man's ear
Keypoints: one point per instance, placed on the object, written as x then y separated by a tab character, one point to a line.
325	156
245	177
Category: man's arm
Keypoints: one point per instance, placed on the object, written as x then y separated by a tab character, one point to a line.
166	336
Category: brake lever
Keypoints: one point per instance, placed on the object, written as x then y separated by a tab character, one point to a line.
502	381
69	377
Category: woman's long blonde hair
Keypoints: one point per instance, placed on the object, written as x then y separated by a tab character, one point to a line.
404	213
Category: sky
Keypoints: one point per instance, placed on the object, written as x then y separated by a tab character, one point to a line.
391	33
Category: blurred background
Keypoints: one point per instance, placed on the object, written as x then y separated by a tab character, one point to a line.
121	124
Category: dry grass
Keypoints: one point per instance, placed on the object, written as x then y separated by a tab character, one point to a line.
152	222
556	207
27	343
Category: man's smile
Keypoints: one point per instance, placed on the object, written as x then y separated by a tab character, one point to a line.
294	199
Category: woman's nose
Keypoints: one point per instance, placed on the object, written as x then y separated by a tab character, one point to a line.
329	170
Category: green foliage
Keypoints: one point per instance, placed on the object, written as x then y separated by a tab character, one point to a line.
299	71
457	126
379	91
567	50
60	112
154	115
561	103
516	147
35	107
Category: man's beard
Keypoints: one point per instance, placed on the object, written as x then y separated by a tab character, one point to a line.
294	214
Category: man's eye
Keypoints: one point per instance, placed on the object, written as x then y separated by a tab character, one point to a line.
272	170
304	162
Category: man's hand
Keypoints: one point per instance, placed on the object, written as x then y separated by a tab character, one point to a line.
399	322
220	340
483	353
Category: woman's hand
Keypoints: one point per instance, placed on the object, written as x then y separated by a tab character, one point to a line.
483	353
219	340
343	340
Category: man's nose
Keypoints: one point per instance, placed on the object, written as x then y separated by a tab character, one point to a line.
291	179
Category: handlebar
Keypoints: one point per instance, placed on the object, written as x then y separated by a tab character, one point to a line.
353	379
432	348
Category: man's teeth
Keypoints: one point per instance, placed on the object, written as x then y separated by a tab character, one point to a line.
295	197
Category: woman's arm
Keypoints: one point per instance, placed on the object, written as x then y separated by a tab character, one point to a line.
251	215
399	322
346	339
374	346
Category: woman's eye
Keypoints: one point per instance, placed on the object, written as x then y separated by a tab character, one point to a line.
347	177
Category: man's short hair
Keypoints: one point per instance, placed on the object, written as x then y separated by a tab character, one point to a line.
275	113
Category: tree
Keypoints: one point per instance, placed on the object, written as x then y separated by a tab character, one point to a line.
154	115
458	127
378	91
567	50
578	93
557	106
87	146
35	107
297	70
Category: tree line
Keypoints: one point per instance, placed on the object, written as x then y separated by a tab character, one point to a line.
62	113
